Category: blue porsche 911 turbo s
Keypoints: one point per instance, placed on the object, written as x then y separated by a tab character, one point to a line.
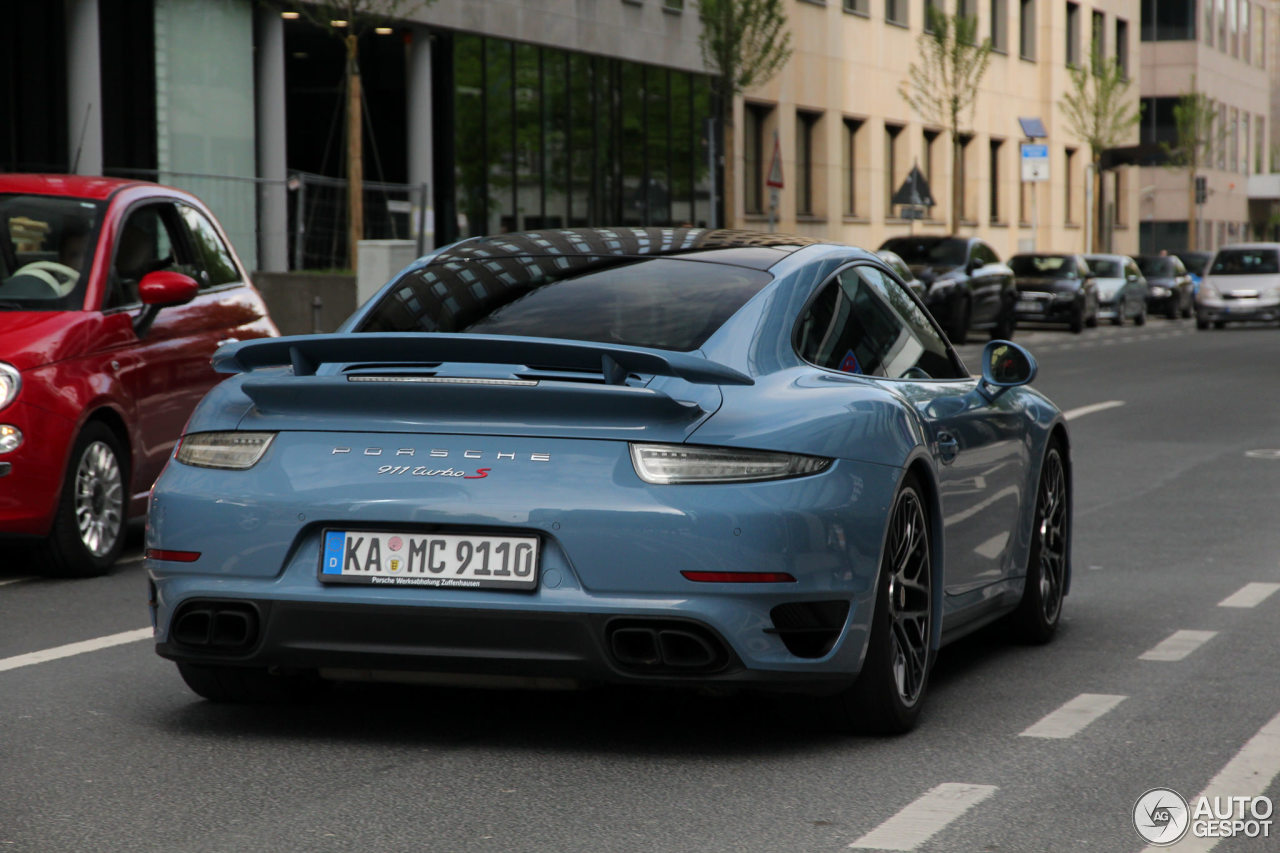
653	456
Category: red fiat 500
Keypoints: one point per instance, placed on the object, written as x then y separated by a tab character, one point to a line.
113	296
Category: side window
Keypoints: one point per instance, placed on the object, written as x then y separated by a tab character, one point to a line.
211	252
986	254
147	241
864	322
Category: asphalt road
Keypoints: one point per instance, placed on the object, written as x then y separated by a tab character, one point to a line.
1176	512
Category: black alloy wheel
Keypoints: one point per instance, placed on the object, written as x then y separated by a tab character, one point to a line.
1040	610
889	692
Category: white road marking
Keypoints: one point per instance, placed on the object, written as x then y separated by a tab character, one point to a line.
1249	773
1081	411
72	649
14	580
1072	717
1178	645
1250	595
921	820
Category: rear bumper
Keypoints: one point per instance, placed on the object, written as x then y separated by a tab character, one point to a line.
396	643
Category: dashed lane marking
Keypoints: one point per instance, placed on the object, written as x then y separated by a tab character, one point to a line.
73	649
1249	773
1178	645
1250	595
925	817
1072	717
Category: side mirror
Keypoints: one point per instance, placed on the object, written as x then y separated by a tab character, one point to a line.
972	266
159	290
1005	365
166	288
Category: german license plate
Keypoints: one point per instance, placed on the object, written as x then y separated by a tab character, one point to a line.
1027	305
452	560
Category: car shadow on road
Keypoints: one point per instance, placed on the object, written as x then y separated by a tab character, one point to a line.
625	720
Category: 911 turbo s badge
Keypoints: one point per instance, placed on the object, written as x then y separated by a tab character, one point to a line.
424	471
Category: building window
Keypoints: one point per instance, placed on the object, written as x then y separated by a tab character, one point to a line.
967	204
851	158
1073	34
1098	35
1233	30
1158	125
997	145
1233	141
754	119
673	5
1069	186
892	164
1169	20
1027	29
999	26
1220	12
858	7
1259	146
1246	34
928	19
895	12
806	124
1246	138
1122	48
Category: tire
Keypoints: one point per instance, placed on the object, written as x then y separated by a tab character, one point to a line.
1201	324
1174	310
1005	326
1077	321
959	331
247	685
89	522
889	692
1219	324
1092	320
1040	610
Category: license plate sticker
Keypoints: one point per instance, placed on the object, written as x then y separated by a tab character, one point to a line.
449	560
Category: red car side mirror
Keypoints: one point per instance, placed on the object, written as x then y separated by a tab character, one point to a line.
166	287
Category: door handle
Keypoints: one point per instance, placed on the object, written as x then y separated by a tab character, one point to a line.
948	447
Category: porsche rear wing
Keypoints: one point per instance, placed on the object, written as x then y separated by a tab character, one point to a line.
305	353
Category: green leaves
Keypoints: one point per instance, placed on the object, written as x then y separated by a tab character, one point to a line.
1096	107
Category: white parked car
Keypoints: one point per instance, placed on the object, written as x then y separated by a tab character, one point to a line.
1241	283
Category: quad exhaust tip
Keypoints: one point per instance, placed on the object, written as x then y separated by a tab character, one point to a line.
216	626
666	647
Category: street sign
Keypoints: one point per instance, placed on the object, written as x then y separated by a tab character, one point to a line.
775	165
914	190
1035	162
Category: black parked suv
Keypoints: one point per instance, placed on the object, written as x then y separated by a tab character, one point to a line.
967	287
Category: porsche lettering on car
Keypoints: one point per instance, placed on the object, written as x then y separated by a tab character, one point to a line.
644	456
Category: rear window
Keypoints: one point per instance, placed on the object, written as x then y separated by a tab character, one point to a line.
1051	266
661	302
1245	262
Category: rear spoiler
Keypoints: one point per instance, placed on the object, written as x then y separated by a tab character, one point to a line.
304	353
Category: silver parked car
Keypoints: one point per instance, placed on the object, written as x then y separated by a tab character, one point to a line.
1241	283
1122	289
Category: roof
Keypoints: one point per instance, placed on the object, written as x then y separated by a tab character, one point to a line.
744	248
92	187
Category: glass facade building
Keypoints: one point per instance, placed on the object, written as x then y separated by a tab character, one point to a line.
549	138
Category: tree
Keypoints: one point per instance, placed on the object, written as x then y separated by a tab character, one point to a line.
941	88
348	20
1197	131
744	43
1099	114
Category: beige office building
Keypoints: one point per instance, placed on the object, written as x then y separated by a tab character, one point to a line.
848	139
1218	47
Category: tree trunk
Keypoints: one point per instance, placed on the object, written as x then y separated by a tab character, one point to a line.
728	192
957	182
1096	243
355	155
1192	237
